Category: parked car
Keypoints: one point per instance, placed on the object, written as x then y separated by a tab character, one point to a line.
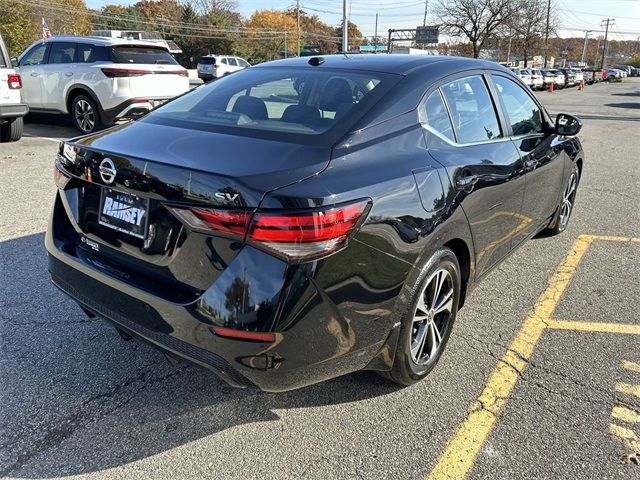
613	74
537	80
12	109
588	77
569	76
524	75
579	76
558	77
99	80
548	76
306	218
217	66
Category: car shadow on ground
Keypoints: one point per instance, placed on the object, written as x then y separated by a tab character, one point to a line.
77	399
631	105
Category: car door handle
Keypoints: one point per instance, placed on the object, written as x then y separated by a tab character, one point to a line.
34	74
68	74
466	181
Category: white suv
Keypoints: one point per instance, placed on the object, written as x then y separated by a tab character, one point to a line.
216	66
11	108
99	80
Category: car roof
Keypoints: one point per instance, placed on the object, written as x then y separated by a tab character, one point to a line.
385	63
106	41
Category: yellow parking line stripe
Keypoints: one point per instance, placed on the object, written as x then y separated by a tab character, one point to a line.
628	389
629	438
634	367
625	414
602	327
457	459
609	238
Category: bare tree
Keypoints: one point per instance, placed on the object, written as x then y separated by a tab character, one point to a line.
528	25
477	20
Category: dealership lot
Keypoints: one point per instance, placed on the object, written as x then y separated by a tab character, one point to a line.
541	378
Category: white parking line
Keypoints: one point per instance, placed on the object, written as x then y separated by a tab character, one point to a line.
56	140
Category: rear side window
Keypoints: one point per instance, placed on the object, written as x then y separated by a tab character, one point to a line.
62	52
524	114
436	115
142	54
474	116
301	101
224	60
232	62
92	53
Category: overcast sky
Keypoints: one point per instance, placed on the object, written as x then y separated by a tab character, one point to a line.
576	16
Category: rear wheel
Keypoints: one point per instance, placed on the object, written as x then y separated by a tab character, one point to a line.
561	220
11	131
85	114
428	319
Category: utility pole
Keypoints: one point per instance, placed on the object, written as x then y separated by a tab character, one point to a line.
546	34
584	47
595	59
298	24
509	48
285	42
375	37
426	6
345	28
608	22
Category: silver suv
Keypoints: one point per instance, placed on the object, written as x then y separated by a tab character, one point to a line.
11	107
99	80
216	66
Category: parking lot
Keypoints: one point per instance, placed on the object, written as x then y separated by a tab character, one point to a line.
541	378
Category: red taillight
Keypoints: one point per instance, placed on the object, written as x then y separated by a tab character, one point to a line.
182	73
228	222
216	66
244	335
294	236
124	72
14	81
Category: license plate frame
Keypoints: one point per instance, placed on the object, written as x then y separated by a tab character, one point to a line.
128	220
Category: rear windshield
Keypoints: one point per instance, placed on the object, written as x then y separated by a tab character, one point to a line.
207	61
304	101
142	54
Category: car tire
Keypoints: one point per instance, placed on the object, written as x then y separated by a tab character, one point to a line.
11	131
422	326
563	214
85	114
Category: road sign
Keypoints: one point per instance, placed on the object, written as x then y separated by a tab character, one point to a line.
427	34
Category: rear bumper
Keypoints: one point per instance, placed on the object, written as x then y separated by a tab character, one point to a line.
321	331
132	108
14	110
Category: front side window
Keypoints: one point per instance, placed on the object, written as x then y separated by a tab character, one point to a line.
437	116
474	116
35	56
142	55
62	52
524	114
243	63
304	101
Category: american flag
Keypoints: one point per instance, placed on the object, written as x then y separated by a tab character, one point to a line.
46	33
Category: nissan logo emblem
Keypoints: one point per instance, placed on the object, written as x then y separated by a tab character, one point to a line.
107	170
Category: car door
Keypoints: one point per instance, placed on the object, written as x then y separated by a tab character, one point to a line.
541	151
233	64
58	75
30	68
483	164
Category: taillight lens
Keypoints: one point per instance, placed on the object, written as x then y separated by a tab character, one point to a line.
294	236
123	72
14	81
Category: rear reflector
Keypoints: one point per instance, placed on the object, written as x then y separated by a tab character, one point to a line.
244	335
14	81
292	235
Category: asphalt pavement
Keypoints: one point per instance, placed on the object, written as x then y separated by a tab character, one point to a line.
77	401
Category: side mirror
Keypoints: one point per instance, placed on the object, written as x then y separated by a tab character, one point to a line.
14	62
567	124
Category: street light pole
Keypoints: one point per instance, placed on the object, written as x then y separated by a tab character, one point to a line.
584	47
298	24
345	27
375	37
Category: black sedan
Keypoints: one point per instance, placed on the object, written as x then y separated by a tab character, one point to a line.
310	217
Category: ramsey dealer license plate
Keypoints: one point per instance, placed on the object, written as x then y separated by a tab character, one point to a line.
123	212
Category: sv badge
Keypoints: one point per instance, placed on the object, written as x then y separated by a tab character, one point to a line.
227	197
